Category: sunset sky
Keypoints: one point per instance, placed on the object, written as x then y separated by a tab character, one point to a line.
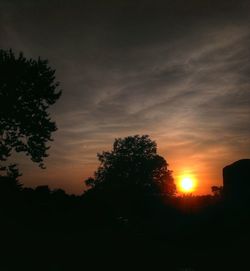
178	71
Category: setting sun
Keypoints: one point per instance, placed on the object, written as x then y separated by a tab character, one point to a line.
187	184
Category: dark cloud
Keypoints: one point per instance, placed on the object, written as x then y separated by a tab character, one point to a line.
177	70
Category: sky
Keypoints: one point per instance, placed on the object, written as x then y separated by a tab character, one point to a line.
175	70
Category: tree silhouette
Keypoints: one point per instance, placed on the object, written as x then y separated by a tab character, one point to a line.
217	190
8	184
27	89
133	163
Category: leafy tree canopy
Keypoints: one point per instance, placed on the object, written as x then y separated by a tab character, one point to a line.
27	90
133	162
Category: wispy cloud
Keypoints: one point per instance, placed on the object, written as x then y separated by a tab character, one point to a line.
182	78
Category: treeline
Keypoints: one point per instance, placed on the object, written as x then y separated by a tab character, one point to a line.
129	217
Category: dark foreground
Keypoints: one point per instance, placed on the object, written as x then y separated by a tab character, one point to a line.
42	231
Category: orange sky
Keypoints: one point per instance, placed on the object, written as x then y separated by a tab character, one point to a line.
177	72
205	168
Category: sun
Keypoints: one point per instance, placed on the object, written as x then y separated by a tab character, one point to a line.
187	184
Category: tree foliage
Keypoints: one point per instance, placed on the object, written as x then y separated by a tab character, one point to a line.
27	90
217	190
133	162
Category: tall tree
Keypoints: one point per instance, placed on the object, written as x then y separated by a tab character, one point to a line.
27	90
133	162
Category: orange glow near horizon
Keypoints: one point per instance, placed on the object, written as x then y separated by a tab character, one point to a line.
203	173
186	183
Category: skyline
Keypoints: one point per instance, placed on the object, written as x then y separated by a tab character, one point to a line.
178	72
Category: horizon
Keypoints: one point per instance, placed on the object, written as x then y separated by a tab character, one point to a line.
176	71
199	189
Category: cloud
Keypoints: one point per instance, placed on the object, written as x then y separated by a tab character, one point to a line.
176	71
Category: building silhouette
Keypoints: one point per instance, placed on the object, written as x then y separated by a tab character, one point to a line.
236	180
